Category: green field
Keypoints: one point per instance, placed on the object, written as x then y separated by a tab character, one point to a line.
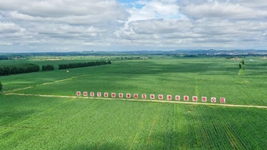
34	115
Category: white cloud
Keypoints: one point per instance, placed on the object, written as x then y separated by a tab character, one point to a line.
155	9
253	3
2	43
160	26
83	12
59	21
194	33
61	25
64	8
223	10
7	27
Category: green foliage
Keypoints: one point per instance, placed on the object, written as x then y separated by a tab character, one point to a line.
48	67
1	86
241	72
229	57
241	68
3	57
189	55
82	64
18	69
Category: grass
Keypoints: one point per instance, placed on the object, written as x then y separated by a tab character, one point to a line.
33	122
56	123
211	77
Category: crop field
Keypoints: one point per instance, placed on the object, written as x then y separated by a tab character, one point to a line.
41	110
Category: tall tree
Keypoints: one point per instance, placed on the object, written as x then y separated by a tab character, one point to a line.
1	86
241	68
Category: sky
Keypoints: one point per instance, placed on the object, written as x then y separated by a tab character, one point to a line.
124	25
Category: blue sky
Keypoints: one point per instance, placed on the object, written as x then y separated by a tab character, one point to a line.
61	25
126	1
131	3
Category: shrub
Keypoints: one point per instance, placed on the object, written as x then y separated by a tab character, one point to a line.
81	64
48	67
17	69
1	86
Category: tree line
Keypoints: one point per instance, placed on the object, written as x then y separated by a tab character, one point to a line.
27	68
1	86
48	67
18	69
3	57
82	64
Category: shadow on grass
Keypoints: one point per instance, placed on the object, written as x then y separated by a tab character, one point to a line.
161	67
105	146
10	117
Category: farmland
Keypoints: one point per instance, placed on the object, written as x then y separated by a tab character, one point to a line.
32	120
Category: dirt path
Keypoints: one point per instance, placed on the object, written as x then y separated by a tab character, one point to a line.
46	83
141	100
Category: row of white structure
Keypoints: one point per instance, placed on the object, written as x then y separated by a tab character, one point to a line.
151	96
